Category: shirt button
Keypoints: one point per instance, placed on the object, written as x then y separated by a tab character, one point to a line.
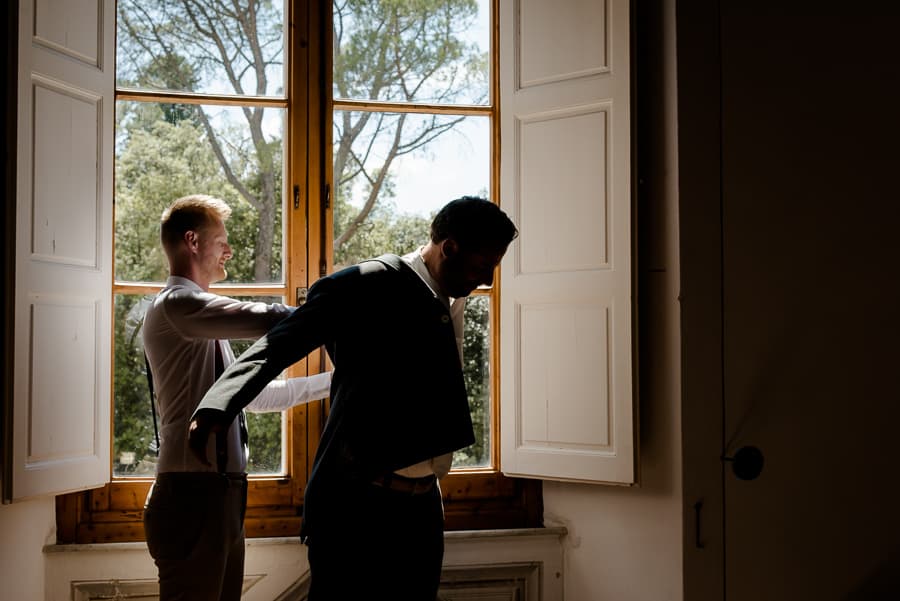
445	318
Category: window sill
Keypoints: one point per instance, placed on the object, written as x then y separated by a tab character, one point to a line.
451	538
481	501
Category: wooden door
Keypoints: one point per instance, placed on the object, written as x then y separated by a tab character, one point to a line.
810	128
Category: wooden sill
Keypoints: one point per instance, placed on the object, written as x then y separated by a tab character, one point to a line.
472	501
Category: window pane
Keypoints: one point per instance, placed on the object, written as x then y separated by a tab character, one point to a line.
204	46
394	171
165	151
477	374
134	445
428	52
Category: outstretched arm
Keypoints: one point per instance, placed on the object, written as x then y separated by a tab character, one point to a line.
279	395
307	328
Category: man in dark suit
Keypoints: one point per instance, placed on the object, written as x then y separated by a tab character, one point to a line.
373	516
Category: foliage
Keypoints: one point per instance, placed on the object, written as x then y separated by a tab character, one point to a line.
476	372
131	421
214	46
384	231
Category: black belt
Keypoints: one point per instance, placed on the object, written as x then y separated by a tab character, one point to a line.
403	484
191	477
192	483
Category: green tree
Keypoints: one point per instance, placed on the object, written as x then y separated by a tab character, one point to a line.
387	50
216	46
476	372
133	426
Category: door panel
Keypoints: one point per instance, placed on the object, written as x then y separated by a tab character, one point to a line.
811	261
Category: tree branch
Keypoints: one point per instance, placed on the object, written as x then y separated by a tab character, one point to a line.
229	172
374	190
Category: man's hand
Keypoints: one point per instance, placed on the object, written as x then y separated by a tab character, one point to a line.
204	422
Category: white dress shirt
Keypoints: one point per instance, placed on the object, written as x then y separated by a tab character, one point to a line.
181	329
440	465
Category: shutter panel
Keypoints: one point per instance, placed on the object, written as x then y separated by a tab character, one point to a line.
567	409
63	285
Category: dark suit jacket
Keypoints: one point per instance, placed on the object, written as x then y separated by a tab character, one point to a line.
397	392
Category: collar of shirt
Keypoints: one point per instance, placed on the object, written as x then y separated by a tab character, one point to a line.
417	263
177	280
456	306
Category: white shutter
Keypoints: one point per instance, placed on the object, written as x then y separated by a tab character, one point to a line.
61	410
567	409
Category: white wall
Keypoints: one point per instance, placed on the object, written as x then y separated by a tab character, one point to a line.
25	528
626	543
271	567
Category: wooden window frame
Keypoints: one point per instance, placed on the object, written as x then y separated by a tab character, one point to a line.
474	498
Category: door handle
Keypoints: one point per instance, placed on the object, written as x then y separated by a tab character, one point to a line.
746	463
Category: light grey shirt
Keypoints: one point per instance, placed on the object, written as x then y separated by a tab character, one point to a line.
181	329
440	465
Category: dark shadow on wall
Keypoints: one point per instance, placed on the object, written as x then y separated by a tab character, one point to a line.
8	75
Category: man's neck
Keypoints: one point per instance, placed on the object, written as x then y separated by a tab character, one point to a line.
431	256
189	274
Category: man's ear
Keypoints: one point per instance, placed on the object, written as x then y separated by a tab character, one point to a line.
449	247
191	239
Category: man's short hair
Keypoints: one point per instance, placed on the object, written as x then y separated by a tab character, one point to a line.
475	223
188	213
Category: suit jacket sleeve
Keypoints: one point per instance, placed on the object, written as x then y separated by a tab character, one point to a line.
307	328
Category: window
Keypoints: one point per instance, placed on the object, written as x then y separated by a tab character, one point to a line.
201	107
227	99
412	114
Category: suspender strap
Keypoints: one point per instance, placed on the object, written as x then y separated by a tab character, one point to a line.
152	404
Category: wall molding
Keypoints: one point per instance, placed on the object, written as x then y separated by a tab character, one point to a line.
516	565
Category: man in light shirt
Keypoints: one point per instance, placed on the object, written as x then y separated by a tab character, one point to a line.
373	516
194	514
